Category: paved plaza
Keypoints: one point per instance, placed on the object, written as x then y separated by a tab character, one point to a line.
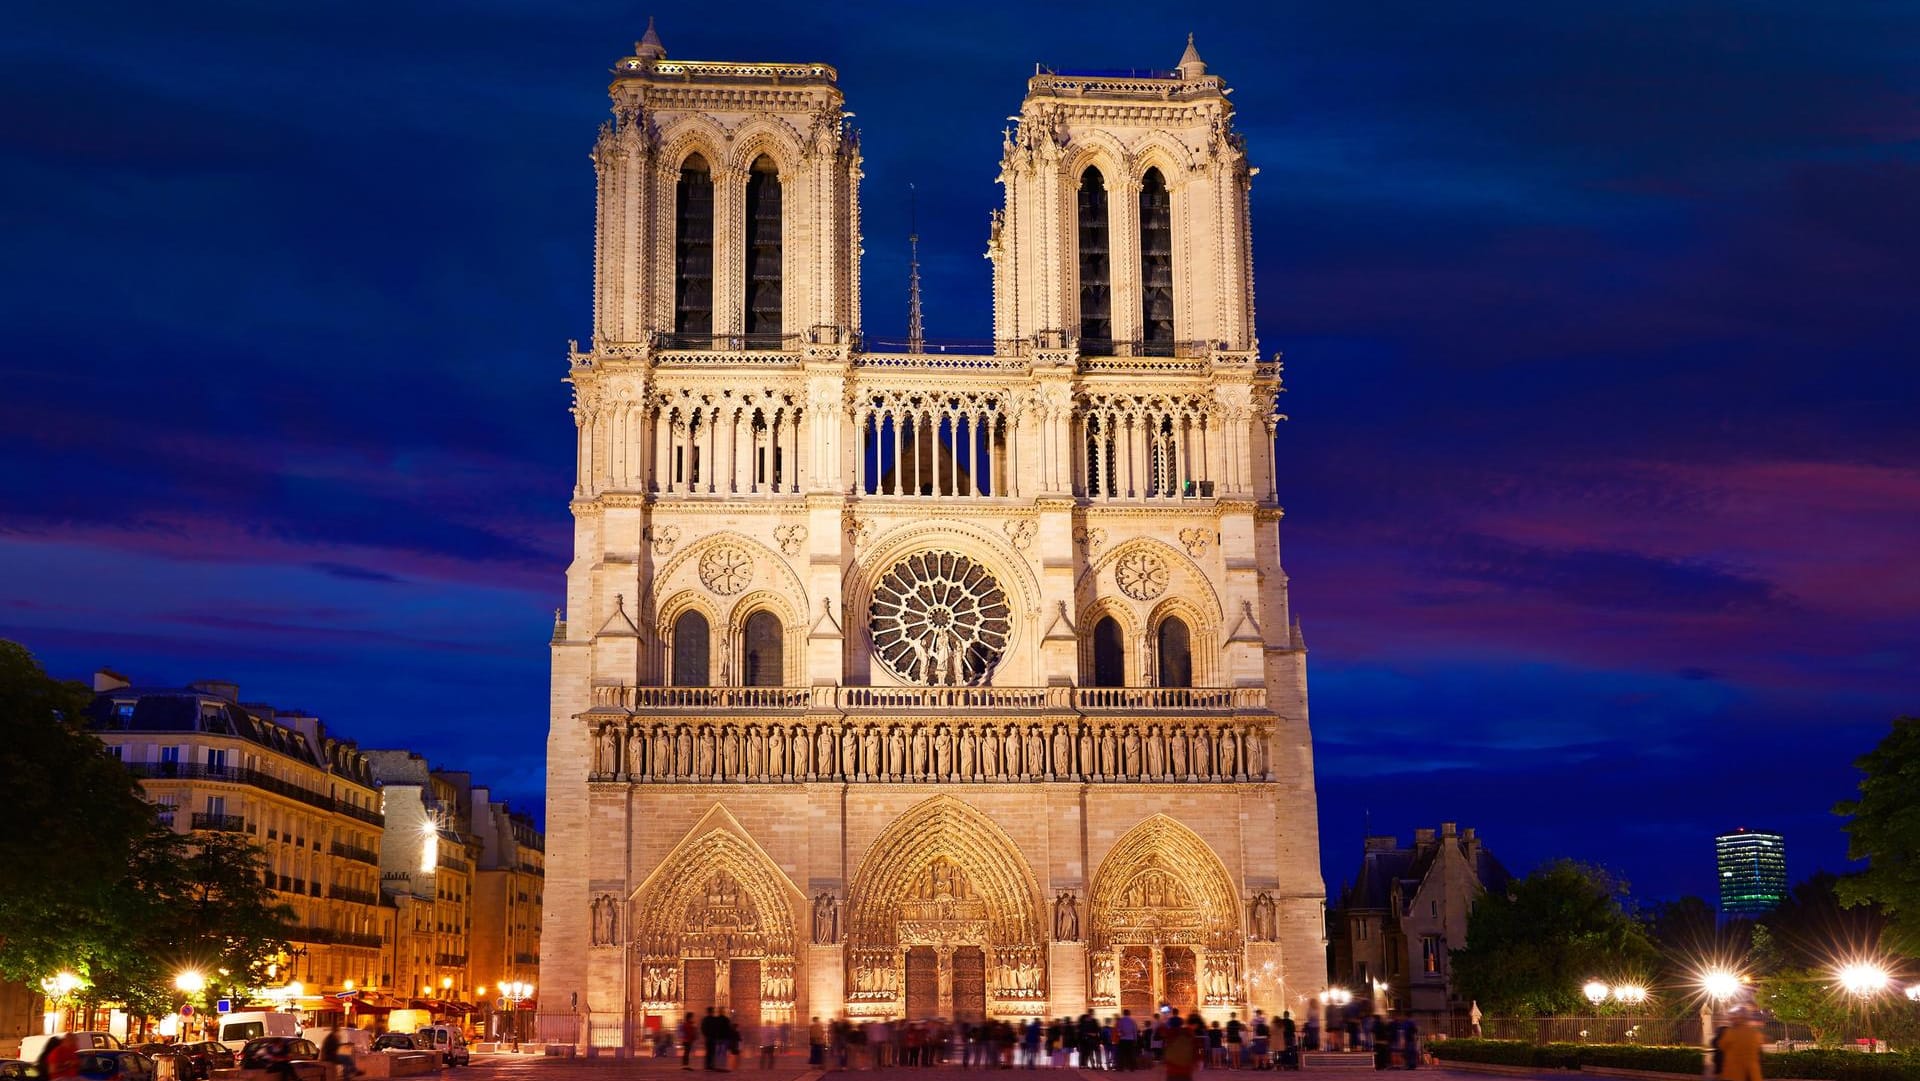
507	1067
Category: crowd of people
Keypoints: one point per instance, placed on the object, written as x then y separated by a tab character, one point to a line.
1120	1043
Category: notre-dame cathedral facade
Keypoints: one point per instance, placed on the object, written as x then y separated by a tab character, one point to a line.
927	682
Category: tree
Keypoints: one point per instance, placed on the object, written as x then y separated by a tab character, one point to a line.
61	900
100	886
1530	951
1883	828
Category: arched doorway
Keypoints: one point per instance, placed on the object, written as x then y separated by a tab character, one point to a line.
1166	925
943	921
1109	654
1176	653
714	926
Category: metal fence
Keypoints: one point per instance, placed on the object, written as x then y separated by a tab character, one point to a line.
1668	1031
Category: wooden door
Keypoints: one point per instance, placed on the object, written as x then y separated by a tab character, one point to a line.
743	991
697	984
923	983
969	984
1182	987
1136	981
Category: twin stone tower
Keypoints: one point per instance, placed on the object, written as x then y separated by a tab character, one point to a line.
919	684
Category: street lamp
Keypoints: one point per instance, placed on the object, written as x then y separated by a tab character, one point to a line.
1630	994
1864	978
190	982
1913	993
1720	984
1596	992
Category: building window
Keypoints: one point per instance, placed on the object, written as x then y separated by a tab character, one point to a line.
216	760
216	806
1361	977
693	249
1109	654
1156	264
762	655
764	284
690	650
1176	654
1430	954
116	751
1096	273
1360	930
169	756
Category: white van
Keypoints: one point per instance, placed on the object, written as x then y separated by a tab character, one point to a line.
239	1027
31	1046
446	1039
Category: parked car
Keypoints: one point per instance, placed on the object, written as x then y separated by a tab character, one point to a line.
178	1059
219	1055
31	1046
259	1054
243	1025
116	1065
393	1041
446	1039
13	1069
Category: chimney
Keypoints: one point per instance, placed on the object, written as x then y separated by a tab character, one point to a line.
1422	840
1449	830
219	688
1382	844
106	679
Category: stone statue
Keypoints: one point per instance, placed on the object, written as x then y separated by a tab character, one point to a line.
989	754
703	765
777	752
1011	745
896	751
968	745
919	751
1156	753
826	919
662	752
1066	917
756	752
1256	741
683	752
1130	753
1177	751
1229	756
849	751
606	920
1062	752
1107	751
870	750
1202	753
1087	763
636	752
607	760
802	751
730	752
943	753
1036	752
722	981
823	758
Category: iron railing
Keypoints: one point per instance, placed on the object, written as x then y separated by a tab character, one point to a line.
253	778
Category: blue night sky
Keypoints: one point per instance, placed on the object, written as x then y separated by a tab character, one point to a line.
1603	478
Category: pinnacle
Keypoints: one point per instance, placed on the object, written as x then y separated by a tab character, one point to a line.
1191	66
649	45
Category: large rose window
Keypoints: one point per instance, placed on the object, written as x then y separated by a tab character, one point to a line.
939	619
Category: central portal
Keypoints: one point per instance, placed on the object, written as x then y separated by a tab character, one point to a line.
943	921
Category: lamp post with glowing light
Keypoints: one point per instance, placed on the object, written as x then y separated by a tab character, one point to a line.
516	993
58	989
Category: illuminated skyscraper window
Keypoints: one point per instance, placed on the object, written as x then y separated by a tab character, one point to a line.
1753	872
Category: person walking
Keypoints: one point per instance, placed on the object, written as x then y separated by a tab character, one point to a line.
713	1035
1180	1050
1738	1048
689	1031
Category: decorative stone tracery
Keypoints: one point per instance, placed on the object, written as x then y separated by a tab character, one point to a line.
939	619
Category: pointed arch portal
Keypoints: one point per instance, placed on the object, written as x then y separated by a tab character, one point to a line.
1166	924
714	926
944	921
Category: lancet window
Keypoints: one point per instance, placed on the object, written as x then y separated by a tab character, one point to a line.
1156	265
1175	668
1096	267
933	445
689	650
693	250
1109	654
1147	447
762	651
764	283
743	445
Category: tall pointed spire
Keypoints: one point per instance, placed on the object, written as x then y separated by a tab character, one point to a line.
916	333
649	47
1191	66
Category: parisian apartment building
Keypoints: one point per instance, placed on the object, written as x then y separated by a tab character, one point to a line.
1390	933
407	882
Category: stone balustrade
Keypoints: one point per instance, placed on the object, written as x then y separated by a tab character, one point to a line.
942	699
1117	750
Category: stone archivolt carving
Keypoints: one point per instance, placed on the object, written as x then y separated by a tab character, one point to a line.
1162	885
939	619
960	750
726	569
715	897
